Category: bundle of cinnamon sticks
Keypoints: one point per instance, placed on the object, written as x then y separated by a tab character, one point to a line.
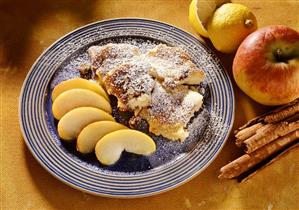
264	139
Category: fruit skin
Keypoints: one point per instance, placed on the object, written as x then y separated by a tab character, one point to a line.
93	132
229	25
194	20
264	77
200	11
109	148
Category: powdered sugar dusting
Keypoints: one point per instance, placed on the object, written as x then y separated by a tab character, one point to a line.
130	76
171	65
128	81
204	128
107	57
171	62
170	106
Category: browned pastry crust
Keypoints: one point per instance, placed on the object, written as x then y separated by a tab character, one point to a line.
173	66
170	111
131	84
105	58
151	84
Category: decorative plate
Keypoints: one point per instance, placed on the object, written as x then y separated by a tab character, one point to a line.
173	163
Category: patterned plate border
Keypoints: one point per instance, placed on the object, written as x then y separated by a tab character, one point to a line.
39	140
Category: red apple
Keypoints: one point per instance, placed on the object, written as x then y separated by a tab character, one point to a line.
266	65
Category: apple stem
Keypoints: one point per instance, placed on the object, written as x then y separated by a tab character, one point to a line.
248	23
278	54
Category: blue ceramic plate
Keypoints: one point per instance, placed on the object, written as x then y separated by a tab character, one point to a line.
173	163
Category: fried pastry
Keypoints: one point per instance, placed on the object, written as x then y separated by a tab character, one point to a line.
131	84
173	66
153	85
170	111
105	58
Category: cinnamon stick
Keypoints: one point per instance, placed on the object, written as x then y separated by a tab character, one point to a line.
268	133
247	161
259	133
246	133
293	118
283	113
274	116
248	174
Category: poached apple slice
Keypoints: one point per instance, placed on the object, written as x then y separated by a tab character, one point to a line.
93	132
75	98
109	148
71	124
78	83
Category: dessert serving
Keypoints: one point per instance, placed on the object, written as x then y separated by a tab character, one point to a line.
154	85
84	113
126	108
133	107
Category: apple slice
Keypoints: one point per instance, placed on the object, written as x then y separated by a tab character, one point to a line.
75	120
93	132
74	98
78	83
109	148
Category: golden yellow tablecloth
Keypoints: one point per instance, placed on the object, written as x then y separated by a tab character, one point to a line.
28	27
